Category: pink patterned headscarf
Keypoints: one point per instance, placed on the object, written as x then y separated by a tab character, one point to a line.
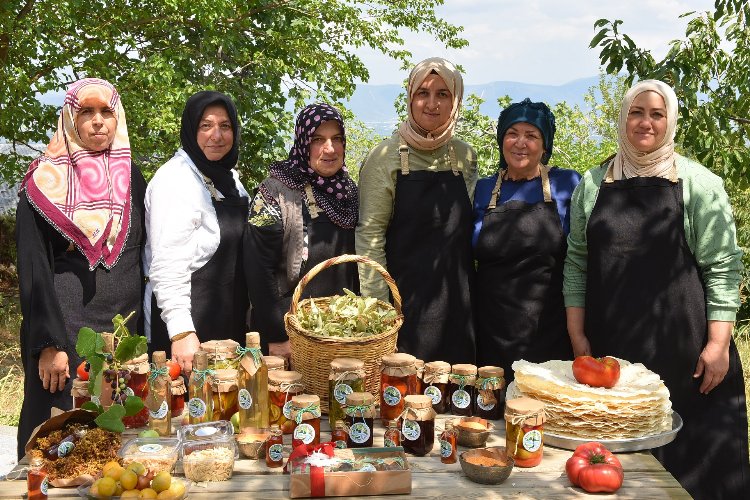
85	194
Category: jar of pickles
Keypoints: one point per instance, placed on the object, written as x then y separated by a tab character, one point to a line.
137	386
420	373
222	354
347	375
418	426
225	392
398	378
489	392
80	392
360	414
461	387
435	379
306	415
282	387
274	363
178	396
524	431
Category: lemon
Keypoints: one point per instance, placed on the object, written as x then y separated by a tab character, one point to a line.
107	487
128	479
148	493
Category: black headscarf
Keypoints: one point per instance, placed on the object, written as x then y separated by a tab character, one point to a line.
535	113
219	171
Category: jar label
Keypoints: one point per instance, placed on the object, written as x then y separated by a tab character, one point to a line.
244	399
304	433
484	406
411	430
276	452
65	448
287	410
340	444
196	407
461	399
44	487
359	432
445	448
389	443
367	468
532	440
391	395
161	412
341	391
434	393
150	448
129	392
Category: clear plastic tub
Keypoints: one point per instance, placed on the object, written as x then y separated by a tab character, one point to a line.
156	454
206	430
208	459
84	491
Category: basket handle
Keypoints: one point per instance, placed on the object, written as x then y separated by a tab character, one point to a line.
341	259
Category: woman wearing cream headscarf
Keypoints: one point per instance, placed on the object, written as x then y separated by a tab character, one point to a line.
652	276
415	217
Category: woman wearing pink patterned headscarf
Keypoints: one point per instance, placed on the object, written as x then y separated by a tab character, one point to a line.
79	232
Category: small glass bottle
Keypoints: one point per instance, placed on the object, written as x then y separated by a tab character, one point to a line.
347	375
489	401
306	414
418	426
398	378
201	401
252	380
360	414
275	448
339	436
36	479
524	431
448	444
159	399
392	436
435	379
461	388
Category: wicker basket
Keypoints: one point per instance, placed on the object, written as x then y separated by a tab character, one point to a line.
312	355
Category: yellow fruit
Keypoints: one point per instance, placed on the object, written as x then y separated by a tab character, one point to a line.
114	472
148	493
128	479
275	413
110	465
177	488
137	467
166	495
118	489
161	481
107	487
132	494
94	490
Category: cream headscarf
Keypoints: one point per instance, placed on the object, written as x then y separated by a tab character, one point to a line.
629	162
414	135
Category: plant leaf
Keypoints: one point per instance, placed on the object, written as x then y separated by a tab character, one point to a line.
87	342
131	347
111	419
133	404
91	406
96	363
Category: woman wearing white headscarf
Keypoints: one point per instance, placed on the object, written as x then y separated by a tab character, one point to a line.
652	276
415	217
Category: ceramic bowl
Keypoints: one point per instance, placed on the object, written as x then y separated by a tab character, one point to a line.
486	465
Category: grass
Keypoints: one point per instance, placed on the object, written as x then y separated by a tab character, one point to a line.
11	371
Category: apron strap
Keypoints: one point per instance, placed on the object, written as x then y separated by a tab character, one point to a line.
403	151
546	189
312	206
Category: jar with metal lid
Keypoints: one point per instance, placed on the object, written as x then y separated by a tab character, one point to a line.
80	392
489	401
347	375
222	354
461	387
398	378
178	396
436	374
274	363
360	415
418	425
420	373
137	385
282	387
306	415
524	431
225	393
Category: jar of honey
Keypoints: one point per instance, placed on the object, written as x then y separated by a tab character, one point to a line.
225	393
139	369
80	392
360	414
398	378
178	396
339	436
275	448
461	387
347	375
222	354
274	363
306	415
282	387
418	425
489	399
420	373
448	444
524	431
435	378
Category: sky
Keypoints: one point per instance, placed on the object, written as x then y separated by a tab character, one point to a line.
538	41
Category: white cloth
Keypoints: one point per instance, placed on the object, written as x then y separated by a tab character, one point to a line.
183	235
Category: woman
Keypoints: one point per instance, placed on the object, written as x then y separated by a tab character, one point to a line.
415	218
196	212
652	276
303	214
521	221
79	231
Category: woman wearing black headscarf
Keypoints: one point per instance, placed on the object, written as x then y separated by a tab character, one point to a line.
196	212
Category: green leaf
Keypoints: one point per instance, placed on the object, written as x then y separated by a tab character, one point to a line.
95	374
598	38
91	406
133	404
130	348
111	419
87	342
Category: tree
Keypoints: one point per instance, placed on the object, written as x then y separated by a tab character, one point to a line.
263	53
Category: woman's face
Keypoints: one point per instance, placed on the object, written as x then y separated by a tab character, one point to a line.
523	147
432	103
215	134
96	125
646	124
327	149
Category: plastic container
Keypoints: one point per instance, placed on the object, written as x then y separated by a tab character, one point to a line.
157	454
206	430
84	491
209	459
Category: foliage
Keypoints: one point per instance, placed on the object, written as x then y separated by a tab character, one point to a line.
347	315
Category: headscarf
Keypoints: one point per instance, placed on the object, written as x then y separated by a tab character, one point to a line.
337	195
219	171
85	194
414	135
534	113
629	162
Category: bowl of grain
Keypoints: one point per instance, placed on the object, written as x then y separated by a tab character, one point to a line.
473	431
486	465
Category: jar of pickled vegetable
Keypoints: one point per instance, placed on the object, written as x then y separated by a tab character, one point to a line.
489	399
461	387
398	378
420	373
306	415
274	363
347	375
282	387
360	414
524	431
178	396
225	393
418	425
80	392
435	378
222	354
137	385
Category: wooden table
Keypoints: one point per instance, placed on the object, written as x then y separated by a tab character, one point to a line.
644	477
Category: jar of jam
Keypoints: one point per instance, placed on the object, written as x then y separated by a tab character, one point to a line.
461	387
306	415
139	369
398	378
418	425
36	479
347	375
222	354
225	394
435	378
360	414
282	387
80	392
274	363
420	373
392	435
489	399
524	431
178	396
339	436
275	448
448	444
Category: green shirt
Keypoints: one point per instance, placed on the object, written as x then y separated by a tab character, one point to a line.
377	194
709	230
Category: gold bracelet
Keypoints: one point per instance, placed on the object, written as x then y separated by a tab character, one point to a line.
180	336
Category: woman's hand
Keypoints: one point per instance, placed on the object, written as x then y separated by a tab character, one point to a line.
578	340
53	369
713	362
183	351
280	349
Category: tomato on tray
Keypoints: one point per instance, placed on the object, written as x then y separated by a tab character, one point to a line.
81	371
596	372
595	469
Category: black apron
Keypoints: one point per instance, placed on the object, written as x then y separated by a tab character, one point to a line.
218	293
428	252
645	302
520	311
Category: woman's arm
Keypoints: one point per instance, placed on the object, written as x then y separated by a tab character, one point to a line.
713	363
574	274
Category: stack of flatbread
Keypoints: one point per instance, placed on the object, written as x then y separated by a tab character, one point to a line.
637	406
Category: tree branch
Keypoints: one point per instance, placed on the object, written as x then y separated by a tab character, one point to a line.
744	121
25	10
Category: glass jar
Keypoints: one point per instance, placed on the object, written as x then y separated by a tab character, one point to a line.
200	405
274	363
339	436
80	392
420	374
347	375
461	387
392	435
398	378
435	378
36	480
222	354
418	425
306	414
137	386
489	399
275	448
225	391
282	387
448	444
360	414
524	431
252	380
178	396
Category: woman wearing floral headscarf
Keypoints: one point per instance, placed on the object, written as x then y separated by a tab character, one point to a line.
652	276
415	218
79	231
304	213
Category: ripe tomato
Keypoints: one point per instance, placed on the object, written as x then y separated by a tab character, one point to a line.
595	469
174	369
81	370
596	372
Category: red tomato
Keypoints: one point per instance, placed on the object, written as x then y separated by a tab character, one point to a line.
81	370
174	369
596	372
595	469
